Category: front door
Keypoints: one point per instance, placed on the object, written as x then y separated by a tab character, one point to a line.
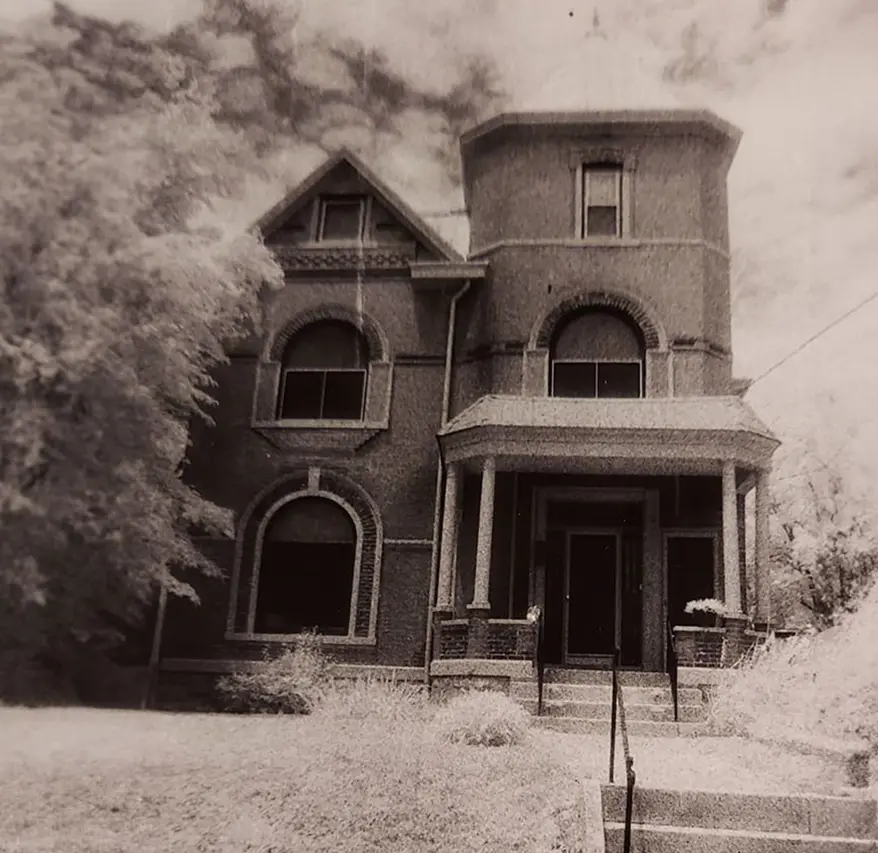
592	606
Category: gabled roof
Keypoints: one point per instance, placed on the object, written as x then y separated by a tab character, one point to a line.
427	235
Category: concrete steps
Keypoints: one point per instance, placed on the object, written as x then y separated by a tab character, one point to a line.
577	701
713	822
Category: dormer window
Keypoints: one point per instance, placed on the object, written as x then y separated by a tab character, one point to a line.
601	200
342	219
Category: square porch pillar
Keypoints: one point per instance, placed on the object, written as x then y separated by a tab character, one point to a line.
761	549
731	563
480	600
448	546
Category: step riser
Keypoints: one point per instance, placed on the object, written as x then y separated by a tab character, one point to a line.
722	811
604	676
602	711
602	693
636	728
648	841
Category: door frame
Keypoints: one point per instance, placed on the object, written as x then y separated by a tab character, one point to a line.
592	660
648	497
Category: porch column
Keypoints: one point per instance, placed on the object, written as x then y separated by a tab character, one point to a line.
486	530
763	569
731	565
448	547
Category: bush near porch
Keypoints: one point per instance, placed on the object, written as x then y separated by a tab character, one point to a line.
819	685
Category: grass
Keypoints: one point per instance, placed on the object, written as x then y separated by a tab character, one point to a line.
84	780
371	770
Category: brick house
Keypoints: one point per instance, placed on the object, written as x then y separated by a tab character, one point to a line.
423	445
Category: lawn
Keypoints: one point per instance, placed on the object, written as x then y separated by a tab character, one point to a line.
78	780
86	780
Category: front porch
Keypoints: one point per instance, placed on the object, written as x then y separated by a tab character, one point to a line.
607	526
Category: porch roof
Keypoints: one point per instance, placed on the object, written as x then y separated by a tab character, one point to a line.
669	428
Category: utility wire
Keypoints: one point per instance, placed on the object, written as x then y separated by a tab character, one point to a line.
814	337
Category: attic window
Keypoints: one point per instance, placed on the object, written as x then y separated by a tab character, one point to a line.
342	219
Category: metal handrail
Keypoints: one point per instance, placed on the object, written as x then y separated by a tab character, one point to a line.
630	776
535	615
673	670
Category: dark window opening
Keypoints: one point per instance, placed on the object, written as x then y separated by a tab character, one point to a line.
690	577
593	379
306	570
323	395
342	219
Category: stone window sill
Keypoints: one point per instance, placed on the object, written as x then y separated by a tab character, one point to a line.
318	435
289	638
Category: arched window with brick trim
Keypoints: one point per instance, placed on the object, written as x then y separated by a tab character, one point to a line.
308	557
597	352
324	373
306	569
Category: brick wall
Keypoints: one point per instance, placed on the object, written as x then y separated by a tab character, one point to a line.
714	647
504	639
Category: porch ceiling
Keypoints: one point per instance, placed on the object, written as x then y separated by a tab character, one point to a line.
626	436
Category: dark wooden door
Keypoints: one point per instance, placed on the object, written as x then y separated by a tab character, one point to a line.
592	601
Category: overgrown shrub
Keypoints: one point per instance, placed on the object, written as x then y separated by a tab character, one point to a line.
378	699
823	684
290	683
483	718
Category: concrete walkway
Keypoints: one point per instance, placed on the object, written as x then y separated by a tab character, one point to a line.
734	765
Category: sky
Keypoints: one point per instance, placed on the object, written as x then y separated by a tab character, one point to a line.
803	188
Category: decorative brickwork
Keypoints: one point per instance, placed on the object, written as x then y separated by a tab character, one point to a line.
329	484
376	340
296	258
652	332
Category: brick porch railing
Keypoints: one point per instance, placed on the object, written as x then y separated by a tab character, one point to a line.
492	639
718	646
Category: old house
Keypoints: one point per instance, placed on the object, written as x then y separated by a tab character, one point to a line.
422	446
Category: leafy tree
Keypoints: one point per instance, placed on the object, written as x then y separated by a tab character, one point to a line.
825	557
121	287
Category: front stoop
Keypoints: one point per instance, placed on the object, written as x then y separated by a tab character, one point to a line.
580	702
712	822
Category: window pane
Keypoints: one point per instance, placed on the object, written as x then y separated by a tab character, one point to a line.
573	379
302	394
618	380
305	585
343	396
342	220
602	186
601	222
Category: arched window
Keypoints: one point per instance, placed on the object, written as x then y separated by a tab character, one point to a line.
306	569
597	353
324	373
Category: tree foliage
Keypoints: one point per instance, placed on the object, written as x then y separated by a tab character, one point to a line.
825	558
117	299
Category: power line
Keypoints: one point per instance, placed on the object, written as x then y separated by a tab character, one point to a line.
814	337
